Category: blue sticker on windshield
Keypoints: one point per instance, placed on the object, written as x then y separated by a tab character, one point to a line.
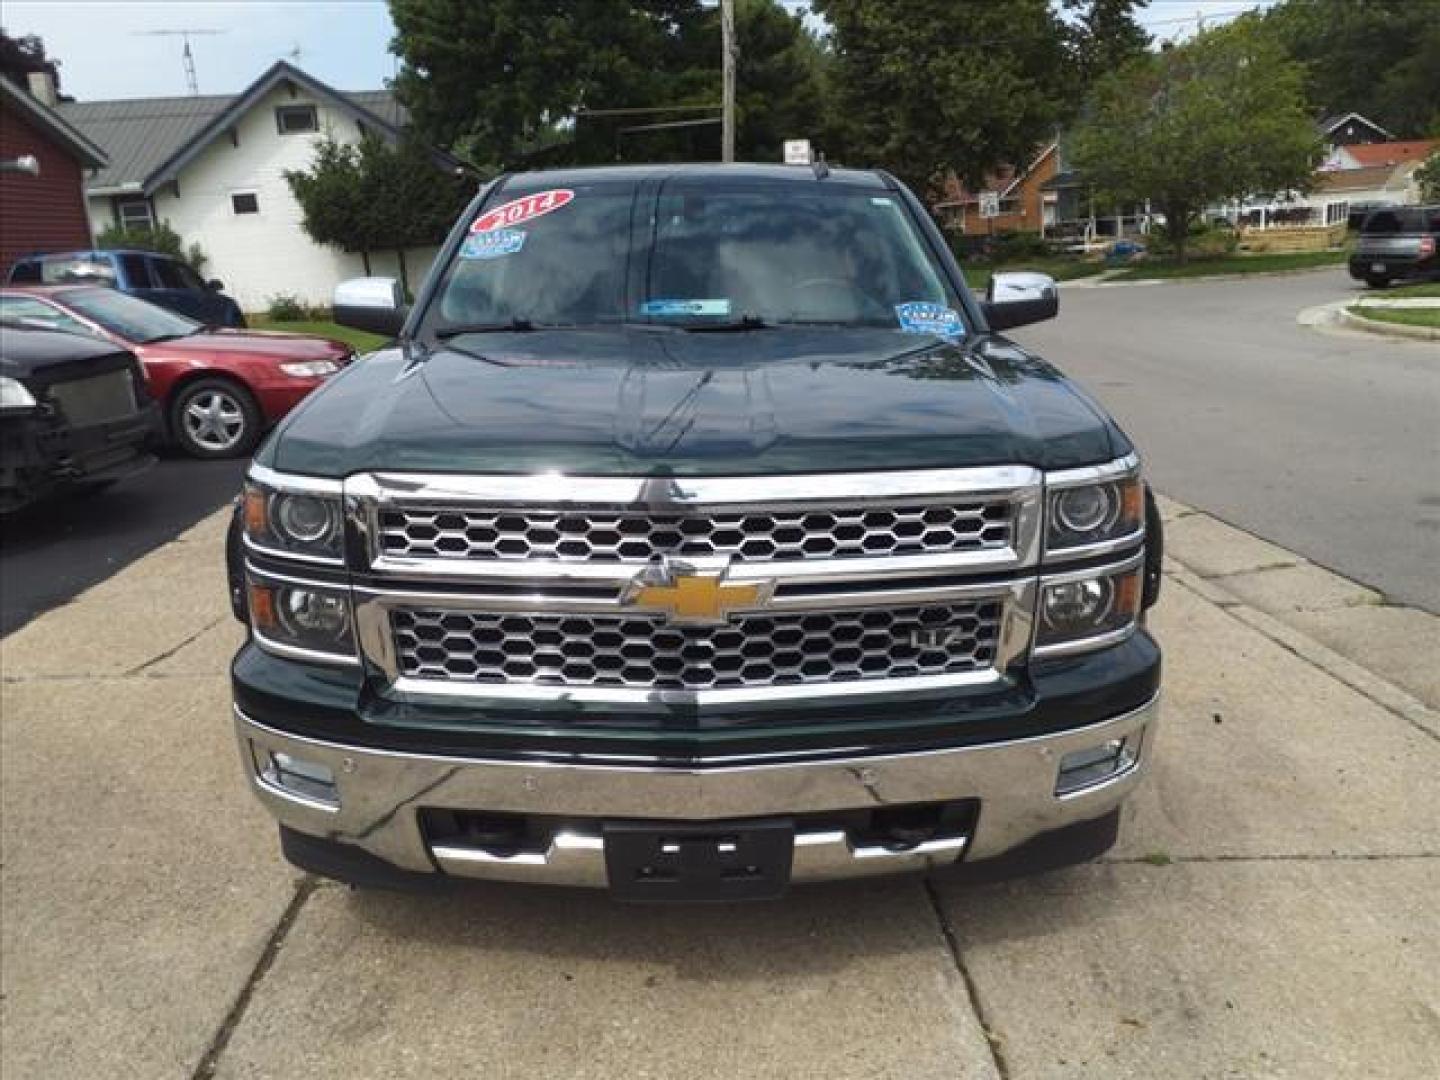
493	244
922	317
685	307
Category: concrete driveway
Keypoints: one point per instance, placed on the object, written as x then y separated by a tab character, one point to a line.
1325	443
1270	910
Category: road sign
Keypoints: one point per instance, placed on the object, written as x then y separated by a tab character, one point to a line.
797	152
989	204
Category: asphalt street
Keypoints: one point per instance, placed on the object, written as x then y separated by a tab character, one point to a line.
52	551
1327	443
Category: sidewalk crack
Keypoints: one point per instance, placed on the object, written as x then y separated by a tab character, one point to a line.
221	1039
972	992
175	649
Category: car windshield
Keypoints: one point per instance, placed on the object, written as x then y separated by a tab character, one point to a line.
64	269
132	319
695	256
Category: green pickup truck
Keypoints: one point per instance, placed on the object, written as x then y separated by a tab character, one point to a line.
698	533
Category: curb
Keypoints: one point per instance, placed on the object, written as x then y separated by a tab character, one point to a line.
1223	277
1352	673
1388	329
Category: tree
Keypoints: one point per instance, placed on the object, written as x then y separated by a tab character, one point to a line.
495	79
161	238
1428	179
1220	117
20	56
377	196
923	92
1103	37
1380	58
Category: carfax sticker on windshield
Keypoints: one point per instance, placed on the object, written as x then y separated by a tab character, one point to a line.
493	244
685	307
523	209
922	317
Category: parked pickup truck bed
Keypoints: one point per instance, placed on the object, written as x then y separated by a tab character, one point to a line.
698	534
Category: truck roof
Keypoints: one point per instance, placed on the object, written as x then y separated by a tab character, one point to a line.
798	174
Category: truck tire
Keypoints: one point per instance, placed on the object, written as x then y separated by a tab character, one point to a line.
215	418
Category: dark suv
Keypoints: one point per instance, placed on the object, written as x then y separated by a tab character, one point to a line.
698	533
1400	242
161	279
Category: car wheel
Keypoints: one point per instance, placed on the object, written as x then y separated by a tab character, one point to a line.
215	418
1377	281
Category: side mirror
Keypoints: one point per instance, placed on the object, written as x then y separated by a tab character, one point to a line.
1020	298
215	285
375	304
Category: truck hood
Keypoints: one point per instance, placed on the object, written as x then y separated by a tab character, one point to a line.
666	402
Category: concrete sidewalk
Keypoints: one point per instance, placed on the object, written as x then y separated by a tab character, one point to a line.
1270	910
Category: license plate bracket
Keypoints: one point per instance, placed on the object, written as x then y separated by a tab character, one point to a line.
697	862
1377	268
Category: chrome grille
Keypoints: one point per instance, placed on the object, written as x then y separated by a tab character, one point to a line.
589	535
749	651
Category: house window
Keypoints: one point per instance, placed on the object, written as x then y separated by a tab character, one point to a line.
290	119
1336	212
134	213
245	202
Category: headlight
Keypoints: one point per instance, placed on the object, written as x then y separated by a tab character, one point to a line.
310	369
1088	508
13	394
303	523
313	619
1088	610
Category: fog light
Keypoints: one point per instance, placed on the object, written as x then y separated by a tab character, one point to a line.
308	781
1081	769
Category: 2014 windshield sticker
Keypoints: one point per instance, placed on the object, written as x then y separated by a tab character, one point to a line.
524	209
492	245
685	307
922	317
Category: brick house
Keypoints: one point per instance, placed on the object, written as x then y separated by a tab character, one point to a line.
45	212
1024	205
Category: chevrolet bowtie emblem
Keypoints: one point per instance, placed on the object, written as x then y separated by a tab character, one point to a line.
689	596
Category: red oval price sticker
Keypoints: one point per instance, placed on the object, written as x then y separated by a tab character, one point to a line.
521	210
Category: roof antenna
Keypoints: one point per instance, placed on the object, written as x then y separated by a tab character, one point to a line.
186	58
822	170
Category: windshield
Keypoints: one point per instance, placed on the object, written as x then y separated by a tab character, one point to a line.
698	255
132	319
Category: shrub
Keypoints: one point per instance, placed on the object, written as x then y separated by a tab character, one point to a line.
286	308
1205	240
159	238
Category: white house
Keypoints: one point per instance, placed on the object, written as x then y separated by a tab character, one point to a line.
214	168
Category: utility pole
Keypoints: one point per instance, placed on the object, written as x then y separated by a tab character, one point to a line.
727	71
186	58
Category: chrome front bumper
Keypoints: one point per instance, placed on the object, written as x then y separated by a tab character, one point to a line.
377	794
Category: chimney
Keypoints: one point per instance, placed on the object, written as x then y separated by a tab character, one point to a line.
42	88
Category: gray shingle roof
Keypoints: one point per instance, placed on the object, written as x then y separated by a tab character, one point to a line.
139	134
143	134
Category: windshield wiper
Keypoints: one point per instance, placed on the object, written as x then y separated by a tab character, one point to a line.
745	322
516	326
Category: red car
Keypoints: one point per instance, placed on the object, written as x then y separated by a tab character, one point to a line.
219	389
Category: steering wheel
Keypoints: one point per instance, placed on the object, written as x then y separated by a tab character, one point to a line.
824	282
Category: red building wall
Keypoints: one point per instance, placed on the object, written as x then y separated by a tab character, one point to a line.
39	213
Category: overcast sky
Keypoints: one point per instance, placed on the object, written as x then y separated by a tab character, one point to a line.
106	51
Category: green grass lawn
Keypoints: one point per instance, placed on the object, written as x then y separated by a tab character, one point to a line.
359	339
1430	289
978	274
1405	316
1229	264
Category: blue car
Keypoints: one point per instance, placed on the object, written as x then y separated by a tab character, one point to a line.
161	279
